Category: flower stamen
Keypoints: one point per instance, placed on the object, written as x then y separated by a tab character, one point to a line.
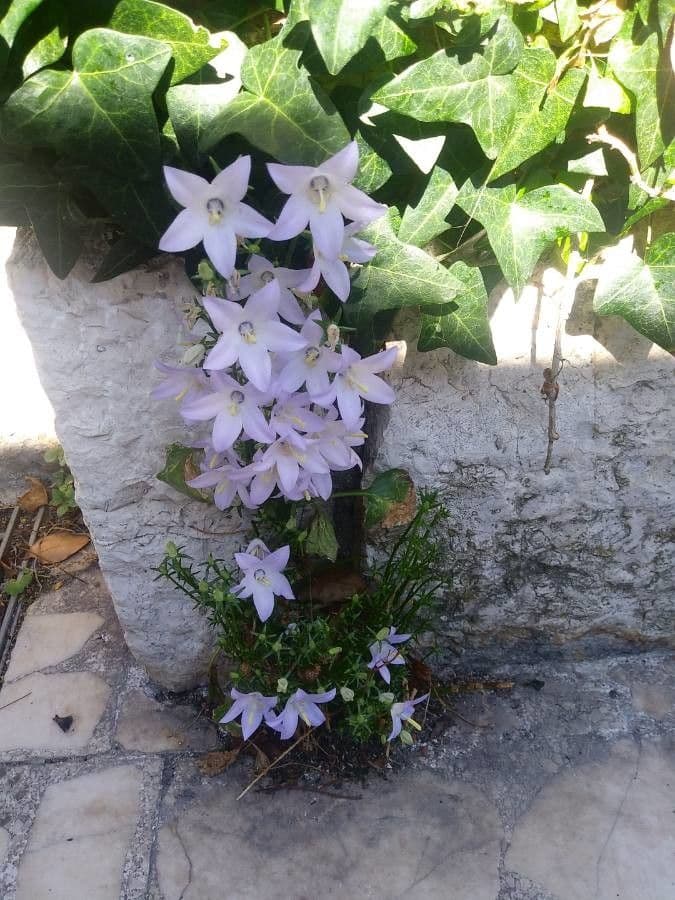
216	209
319	186
247	331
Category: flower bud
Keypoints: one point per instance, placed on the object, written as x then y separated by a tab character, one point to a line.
387	697
382	634
282	685
205	272
347	694
406	738
171	550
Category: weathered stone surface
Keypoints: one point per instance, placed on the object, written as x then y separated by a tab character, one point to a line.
94	353
655	700
80	838
582	553
50	639
421	837
579	838
147	725
4	843
28	724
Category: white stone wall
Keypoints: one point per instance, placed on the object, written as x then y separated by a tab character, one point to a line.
94	346
583	553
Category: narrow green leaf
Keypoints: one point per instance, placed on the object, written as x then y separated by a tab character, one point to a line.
280	112
341	27
646	72
642	292
427	220
179	468
542	114
521	228
190	45
102	111
479	93
466	330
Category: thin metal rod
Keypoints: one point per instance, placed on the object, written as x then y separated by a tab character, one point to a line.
8	531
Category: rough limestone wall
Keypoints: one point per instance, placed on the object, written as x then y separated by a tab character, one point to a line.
94	346
584	553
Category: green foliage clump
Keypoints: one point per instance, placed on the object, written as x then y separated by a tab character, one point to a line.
317	642
497	131
62	494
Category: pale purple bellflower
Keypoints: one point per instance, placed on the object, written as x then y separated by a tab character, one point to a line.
213	213
400	713
263	579
252	708
261	272
334	270
300	705
311	365
383	653
234	407
180	382
357	379
321	196
249	333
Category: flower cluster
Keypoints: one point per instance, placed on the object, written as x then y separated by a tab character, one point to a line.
283	394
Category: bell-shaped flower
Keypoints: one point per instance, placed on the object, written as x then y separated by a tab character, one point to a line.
290	413
357	379
248	333
252	708
213	213
234	407
300	705
321	196
282	464
263	580
180	382
400	713
335	441
262	272
383	653
228	481
334	271
311	365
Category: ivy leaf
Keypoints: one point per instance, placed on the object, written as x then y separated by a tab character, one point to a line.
10	23
280	112
466	330
124	255
647	74
542	114
642	292
101	111
180	467
342	27
568	18
193	106
521	228
51	211
373	170
387	491
426	221
141	207
189	44
479	92
399	276
41	41
393	41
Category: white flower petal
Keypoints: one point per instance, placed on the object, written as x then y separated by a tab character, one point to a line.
249	223
358	206
184	232
290	179
336	276
184	186
221	248
232	183
344	164
327	230
292	219
256	363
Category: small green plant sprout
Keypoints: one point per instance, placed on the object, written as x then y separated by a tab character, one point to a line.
14	587
62	496
295	660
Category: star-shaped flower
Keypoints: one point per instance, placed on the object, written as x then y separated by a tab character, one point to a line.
321	196
248	333
357	379
235	407
261	272
383	653
300	705
213	213
400	713
180	382
252	708
228	481
334	271
311	365
263	579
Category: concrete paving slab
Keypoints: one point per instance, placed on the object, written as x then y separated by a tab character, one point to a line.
28	724
152	727
47	640
4	844
419	836
601	830
80	838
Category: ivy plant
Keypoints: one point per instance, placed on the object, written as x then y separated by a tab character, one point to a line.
496	131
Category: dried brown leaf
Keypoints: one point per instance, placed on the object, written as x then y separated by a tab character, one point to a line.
35	496
217	761
57	546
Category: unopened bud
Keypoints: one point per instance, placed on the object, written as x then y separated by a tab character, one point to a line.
347	694
406	738
332	335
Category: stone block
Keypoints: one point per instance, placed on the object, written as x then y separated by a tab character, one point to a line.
47	640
